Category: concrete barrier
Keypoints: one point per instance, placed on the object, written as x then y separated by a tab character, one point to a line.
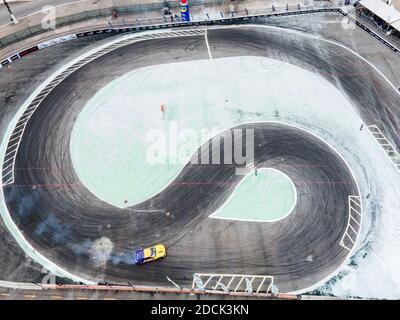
152	25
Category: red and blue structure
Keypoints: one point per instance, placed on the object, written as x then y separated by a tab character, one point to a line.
184	5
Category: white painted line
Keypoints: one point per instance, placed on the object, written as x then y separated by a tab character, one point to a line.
21	124
7	161
352	228
240	282
270	285
18	131
218	282
5	173
208	280
208	46
149	210
261	284
352	210
230	282
344	246
357	212
9	181
32	106
351	217
385	144
12	146
5	169
350	238
8	155
357	203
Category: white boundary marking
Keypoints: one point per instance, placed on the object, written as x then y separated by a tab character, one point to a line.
208	46
385	145
246	170
356	211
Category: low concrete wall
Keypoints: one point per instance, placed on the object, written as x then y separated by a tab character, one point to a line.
70	13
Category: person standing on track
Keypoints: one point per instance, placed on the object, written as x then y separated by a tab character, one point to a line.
162	111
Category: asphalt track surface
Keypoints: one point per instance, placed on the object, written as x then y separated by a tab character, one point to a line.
61	218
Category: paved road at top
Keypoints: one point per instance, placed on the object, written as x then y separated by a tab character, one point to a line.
24	8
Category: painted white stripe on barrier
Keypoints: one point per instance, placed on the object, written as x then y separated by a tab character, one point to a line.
5	168
9	181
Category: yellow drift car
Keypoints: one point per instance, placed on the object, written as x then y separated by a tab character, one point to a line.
153	253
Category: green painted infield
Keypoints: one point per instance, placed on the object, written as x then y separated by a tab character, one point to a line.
263	195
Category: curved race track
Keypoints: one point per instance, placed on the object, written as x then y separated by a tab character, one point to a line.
63	220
